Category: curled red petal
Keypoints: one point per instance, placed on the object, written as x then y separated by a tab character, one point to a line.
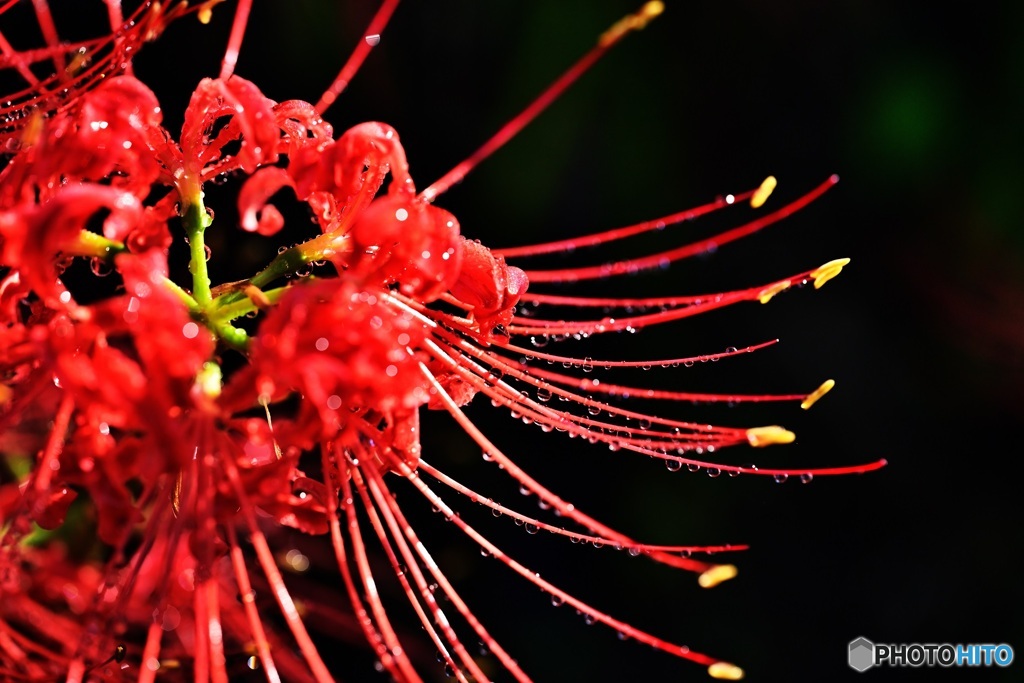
411	243
489	286
256	214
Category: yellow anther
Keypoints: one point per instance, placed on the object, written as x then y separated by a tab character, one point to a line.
813	397
769	436
258	297
78	62
204	14
768	292
762	193
724	671
631	22
33	129
716	575
828	271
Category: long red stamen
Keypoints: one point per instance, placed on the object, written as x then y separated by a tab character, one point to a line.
449	591
242	12
370	40
622	233
533	524
548	587
608	40
270	570
662	259
398	663
371	496
252	614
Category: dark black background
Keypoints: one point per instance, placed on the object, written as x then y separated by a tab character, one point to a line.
918	109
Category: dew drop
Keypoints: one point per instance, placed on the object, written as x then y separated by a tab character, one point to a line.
781	478
373	40
713	472
557	601
673	465
100	268
806	478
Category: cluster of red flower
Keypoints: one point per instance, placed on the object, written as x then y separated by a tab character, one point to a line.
122	406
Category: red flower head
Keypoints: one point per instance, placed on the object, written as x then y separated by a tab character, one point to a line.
164	458
345	350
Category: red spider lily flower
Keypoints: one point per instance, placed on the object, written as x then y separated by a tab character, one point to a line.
147	475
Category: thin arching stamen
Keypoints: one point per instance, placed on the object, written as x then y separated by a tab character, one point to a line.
370	40
334	481
398	663
266	559
372	501
227	65
522	519
567	510
45	19
548	587
609	39
449	591
659	260
621	233
664	362
252	614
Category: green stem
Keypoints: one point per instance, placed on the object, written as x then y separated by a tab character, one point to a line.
196	222
194	309
237	309
288	261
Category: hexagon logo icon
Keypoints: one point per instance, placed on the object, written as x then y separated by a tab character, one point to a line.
862	654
